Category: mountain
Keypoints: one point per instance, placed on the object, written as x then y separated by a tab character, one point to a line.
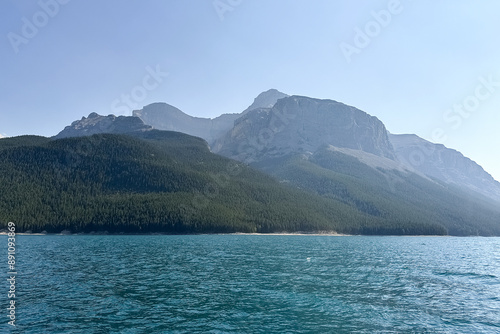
342	161
163	116
340	152
301	124
94	124
160	181
447	165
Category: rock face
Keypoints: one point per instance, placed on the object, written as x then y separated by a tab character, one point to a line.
95	124
442	163
163	116
299	124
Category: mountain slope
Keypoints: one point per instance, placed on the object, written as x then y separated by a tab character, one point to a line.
444	164
342	153
157	181
392	194
224	135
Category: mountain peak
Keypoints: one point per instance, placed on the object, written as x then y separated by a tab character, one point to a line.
158	107
266	99
163	116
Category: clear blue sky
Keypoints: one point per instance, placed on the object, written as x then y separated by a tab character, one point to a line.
409	69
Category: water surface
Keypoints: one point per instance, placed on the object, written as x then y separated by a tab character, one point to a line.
256	284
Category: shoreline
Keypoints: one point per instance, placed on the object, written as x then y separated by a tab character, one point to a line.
317	234
329	234
235	233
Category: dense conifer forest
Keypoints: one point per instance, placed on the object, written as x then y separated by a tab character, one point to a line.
398	198
168	182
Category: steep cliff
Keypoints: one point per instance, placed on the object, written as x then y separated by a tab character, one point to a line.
300	124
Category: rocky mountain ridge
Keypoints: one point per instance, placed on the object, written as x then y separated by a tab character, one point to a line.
302	124
95	124
444	164
163	116
276	125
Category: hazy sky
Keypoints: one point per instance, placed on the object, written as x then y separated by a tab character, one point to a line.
426	67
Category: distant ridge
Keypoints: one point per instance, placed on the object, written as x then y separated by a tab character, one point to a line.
163	116
445	164
95	124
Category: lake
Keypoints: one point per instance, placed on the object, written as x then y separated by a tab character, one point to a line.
254	284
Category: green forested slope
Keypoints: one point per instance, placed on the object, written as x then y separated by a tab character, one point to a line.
396	197
160	181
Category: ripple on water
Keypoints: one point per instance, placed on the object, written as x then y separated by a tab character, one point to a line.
235	284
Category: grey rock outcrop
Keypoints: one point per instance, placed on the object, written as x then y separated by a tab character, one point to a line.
301	124
163	116
94	124
445	164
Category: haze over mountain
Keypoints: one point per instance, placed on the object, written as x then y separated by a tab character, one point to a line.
341	153
301	124
163	116
445	164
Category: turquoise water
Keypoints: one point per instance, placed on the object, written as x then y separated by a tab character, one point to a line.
255	284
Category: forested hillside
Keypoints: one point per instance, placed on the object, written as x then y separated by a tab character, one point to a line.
396	196
160	181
